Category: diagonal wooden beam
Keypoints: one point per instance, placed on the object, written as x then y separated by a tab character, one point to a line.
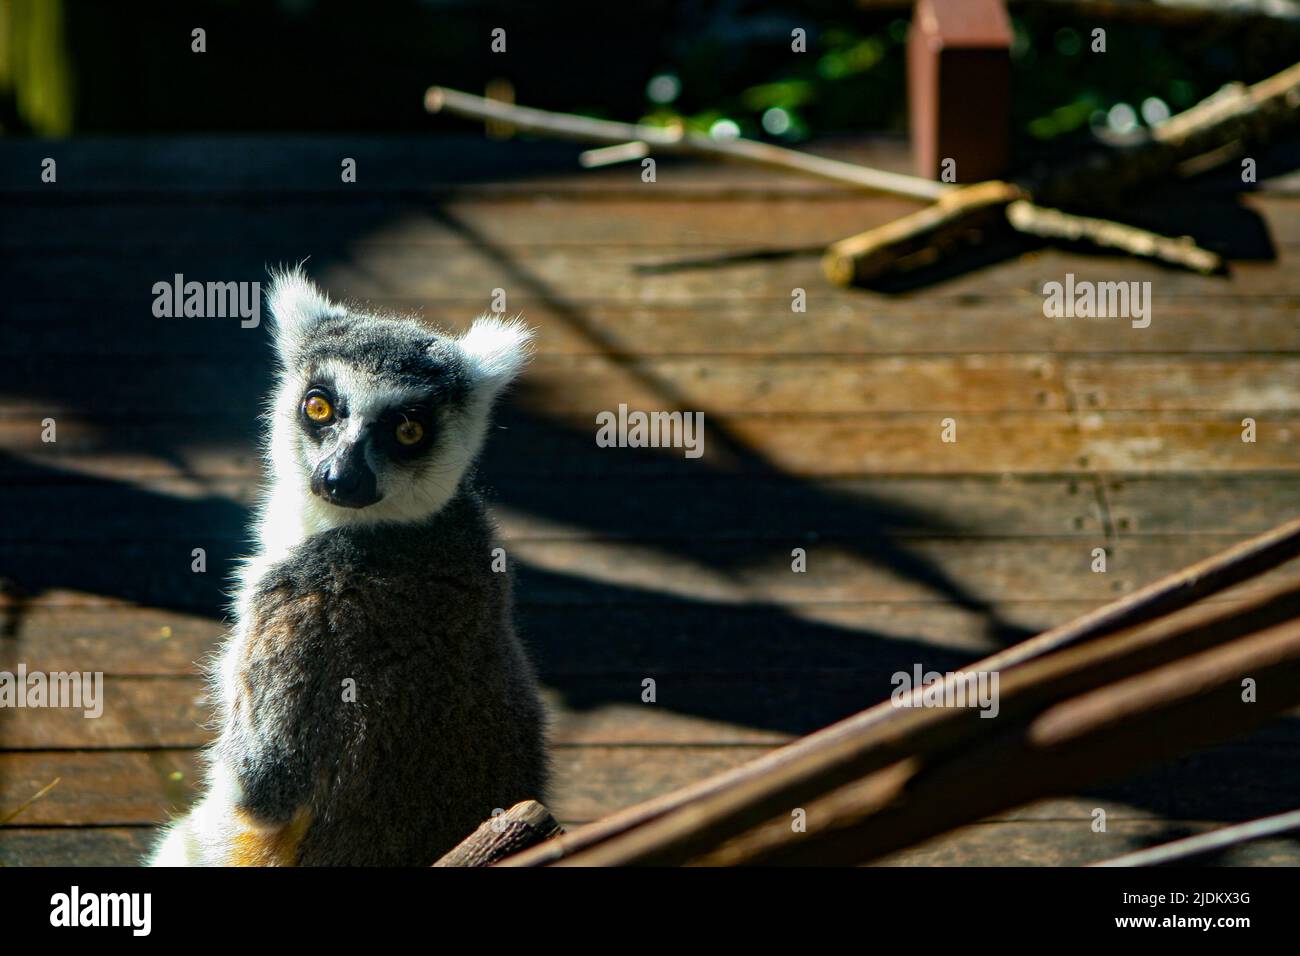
732	791
1191	701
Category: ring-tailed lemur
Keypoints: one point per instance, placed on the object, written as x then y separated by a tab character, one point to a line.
373	703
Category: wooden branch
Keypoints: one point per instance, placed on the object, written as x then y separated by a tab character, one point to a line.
1081	741
1213	132
1168	594
960	217
1183	251
524	825
439	99
1208	132
1220	839
923	739
609	155
966	215
13	814
1236	114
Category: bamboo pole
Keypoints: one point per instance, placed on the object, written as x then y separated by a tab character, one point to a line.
922	737
1221	839
440	99
1096	736
1177	590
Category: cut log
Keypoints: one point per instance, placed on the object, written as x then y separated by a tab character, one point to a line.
524	825
958	218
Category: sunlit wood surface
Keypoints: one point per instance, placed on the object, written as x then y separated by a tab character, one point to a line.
822	432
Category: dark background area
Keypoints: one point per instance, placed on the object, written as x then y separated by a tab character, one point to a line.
78	67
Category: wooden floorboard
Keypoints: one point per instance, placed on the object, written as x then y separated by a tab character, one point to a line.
822	432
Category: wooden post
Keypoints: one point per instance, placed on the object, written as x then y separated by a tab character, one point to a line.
959	88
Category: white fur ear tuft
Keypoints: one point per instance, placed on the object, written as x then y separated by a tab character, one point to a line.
295	302
496	350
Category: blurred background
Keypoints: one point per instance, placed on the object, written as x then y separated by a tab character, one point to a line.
82	67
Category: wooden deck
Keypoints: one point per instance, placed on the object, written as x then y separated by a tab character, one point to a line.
822	431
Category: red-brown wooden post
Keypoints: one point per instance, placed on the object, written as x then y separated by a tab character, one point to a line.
959	88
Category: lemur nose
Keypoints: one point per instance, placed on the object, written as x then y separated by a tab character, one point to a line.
345	479
342	478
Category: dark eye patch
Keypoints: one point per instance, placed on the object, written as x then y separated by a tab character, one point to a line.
385	431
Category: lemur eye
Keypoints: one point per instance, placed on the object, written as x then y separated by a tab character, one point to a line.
410	432
318	408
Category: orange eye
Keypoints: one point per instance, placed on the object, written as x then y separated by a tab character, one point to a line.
318	409
409	432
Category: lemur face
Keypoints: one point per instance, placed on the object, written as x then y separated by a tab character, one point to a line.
376	409
380	415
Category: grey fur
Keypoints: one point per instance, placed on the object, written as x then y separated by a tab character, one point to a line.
395	597
447	725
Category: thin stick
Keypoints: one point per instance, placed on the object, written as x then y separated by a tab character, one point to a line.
30	800
1208	842
1177	590
1054	224
439	99
1237	114
609	155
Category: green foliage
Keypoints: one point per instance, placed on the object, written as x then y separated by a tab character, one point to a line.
767	89
853	75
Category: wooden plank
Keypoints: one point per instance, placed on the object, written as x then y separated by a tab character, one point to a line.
568	641
1041	843
743	707
573	649
708	506
737	572
597	573
115	788
1206	785
886	443
103	788
837	323
613	273
1254	386
376	221
120	639
1205	504
150	712
62	224
75	846
133	787
1051	843
585	385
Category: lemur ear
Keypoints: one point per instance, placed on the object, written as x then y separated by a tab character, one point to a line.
295	304
496	350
